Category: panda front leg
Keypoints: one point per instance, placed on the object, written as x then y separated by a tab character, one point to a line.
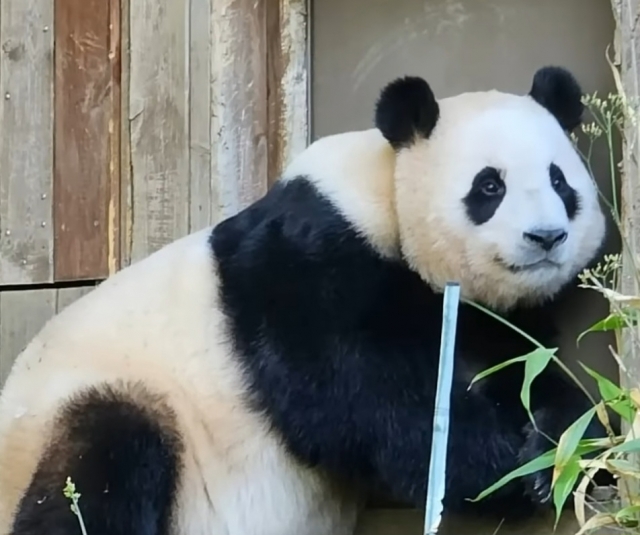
483	445
553	414
119	446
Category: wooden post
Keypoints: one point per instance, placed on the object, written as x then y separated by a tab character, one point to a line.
238	104
627	56
287	73
627	50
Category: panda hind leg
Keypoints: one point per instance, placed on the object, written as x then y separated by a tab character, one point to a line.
119	446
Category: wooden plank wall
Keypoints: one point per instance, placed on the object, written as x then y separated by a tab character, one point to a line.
86	95
125	125
207	126
26	143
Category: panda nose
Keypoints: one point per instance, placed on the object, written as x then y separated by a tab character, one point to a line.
546	239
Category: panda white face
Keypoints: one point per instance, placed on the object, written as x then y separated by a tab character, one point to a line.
495	195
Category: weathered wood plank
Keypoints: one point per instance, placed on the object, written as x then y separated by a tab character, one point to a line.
83	120
627	16
627	44
159	115
275	70
294	127
239	126
26	141
114	216
126	184
66	296
202	204
287	37
22	314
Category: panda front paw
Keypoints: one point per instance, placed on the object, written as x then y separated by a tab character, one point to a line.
537	485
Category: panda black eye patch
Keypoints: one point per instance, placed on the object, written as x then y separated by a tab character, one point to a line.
568	195
485	195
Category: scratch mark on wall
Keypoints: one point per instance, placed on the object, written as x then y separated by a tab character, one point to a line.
436	18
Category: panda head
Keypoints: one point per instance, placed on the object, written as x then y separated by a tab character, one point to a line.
489	189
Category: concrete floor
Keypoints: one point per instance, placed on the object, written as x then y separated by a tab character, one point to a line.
410	522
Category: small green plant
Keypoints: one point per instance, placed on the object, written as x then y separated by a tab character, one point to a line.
71	494
612	116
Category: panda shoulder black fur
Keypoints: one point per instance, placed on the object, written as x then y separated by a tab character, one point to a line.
253	378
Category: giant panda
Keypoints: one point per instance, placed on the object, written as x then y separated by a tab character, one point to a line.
262	376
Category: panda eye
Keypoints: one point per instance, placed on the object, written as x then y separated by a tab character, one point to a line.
558	182
485	195
489	183
491	187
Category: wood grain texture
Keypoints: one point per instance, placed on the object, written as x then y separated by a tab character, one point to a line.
83	189
275	71
22	314
126	173
627	49
201	198
239	123
159	115
294	123
26	141
114	216
66	296
288	99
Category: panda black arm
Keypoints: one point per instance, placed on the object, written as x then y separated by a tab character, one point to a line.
341	349
483	446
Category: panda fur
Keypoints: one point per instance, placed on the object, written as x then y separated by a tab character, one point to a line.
258	377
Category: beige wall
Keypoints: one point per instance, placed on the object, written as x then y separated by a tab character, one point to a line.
359	45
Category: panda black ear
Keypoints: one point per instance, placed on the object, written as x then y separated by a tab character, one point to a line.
406	109
556	89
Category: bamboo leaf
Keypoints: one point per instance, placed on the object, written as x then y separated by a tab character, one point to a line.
623	467
595	443
564	485
626	447
611	323
597	521
628	516
496	368
634	394
570	439
539	463
579	504
615	397
608	390
546	460
625	409
535	363
603	416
